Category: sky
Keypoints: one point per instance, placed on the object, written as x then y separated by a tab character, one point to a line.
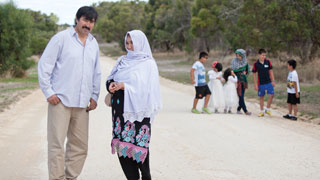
65	9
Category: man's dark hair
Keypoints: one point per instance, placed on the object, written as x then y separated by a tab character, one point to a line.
88	12
203	54
292	63
219	67
262	51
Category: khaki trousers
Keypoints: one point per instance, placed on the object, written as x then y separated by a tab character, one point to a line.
71	123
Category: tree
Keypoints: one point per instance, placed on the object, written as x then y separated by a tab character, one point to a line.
16	31
172	24
117	18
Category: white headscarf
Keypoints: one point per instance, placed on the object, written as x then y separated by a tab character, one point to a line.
139	72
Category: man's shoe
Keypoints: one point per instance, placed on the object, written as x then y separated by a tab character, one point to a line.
195	111
269	112
206	110
239	112
261	114
287	116
293	118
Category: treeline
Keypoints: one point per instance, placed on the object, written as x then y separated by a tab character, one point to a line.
281	26
22	34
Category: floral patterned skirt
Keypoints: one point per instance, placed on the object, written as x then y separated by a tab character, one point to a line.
129	139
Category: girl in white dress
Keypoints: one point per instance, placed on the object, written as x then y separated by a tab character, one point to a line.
215	84
230	91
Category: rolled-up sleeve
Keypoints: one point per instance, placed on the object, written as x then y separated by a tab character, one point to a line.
96	79
46	65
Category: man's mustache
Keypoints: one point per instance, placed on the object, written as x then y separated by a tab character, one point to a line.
86	27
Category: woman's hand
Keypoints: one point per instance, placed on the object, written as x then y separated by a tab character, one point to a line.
112	87
115	86
233	74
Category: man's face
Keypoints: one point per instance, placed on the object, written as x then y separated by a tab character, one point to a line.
84	26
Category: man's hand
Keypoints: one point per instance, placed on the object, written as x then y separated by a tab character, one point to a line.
53	99
273	84
256	87
92	105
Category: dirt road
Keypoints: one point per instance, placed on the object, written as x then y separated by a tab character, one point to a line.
183	145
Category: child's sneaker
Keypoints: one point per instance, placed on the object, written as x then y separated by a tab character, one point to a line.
195	111
261	114
293	118
288	116
248	113
206	110
268	112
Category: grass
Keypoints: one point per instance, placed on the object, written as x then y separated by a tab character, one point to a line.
12	89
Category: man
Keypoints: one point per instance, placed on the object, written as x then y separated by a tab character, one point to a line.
69	77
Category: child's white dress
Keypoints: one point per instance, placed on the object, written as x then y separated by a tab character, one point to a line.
230	92
217	96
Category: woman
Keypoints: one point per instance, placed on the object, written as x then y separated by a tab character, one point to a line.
240	67
134	83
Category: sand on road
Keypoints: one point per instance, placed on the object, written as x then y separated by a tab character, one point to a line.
183	146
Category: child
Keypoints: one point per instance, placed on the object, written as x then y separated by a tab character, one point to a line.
293	90
264	82
230	90
198	78
215	85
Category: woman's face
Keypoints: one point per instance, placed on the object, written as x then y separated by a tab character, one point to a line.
238	56
129	43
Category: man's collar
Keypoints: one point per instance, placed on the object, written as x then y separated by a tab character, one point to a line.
74	32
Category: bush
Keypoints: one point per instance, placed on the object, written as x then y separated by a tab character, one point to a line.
15	35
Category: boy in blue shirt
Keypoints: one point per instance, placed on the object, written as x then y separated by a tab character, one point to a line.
198	78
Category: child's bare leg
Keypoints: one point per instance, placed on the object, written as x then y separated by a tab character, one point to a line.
195	102
290	108
261	102
295	109
206	100
270	100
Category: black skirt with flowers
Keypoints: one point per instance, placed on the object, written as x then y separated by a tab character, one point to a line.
129	139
